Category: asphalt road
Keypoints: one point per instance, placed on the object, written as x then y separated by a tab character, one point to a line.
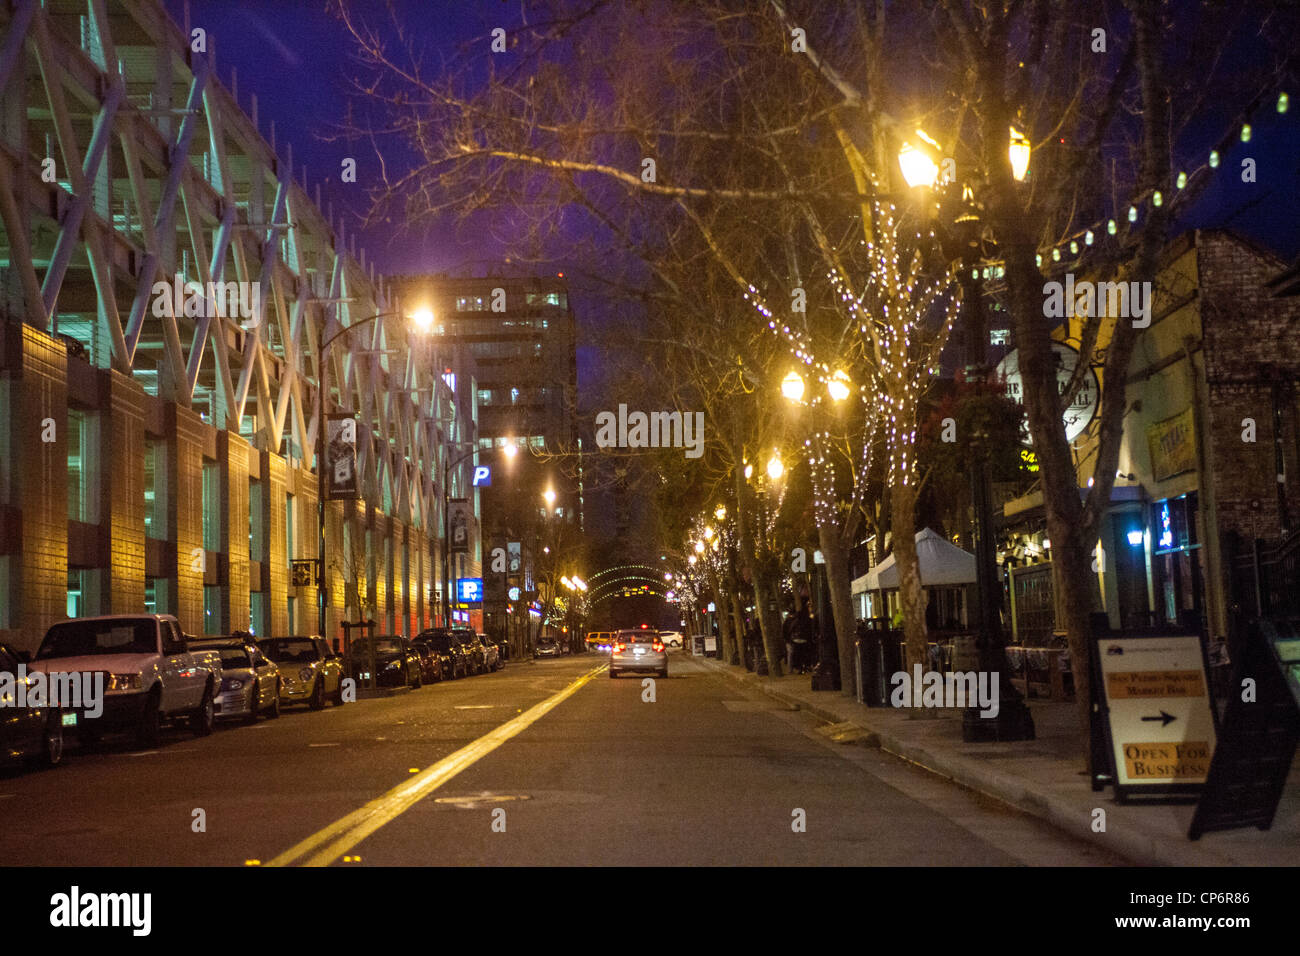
707	773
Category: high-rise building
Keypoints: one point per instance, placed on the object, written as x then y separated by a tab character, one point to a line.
522	336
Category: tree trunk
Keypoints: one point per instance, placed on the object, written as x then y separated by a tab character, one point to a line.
767	590
841	587
739	616
725	636
910	594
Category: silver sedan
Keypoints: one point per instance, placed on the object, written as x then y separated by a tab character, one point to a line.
638	650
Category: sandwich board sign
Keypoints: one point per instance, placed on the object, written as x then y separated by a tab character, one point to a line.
1155	709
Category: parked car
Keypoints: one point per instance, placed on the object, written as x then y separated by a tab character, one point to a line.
638	650
430	662
493	653
250	682
455	658
397	663
671	638
473	647
27	733
310	671
153	675
547	647
503	646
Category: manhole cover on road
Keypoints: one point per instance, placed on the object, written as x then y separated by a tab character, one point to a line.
478	801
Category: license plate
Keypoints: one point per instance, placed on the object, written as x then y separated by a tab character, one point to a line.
639	652
69	720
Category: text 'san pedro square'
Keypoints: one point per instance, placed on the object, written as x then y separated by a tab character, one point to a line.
1129	684
1165	760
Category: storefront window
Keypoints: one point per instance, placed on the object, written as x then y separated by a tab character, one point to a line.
1176	563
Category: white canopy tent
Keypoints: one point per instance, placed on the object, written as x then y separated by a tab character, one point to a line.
943	564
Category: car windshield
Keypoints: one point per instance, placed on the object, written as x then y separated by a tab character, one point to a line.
440	642
638	637
289	650
235	657
83	638
383	645
465	637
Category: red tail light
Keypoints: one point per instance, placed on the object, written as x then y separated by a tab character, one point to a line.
658	647
620	646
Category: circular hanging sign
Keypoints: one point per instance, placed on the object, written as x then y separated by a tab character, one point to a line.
1080	413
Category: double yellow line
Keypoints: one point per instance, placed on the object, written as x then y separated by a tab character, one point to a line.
325	846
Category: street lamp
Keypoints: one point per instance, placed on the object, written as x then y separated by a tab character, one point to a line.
1018	152
423	319
792	387
838	386
775	467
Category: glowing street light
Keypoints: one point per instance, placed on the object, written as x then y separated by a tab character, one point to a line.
549	495
1018	152
919	167
720	513
775	467
792	387
838	386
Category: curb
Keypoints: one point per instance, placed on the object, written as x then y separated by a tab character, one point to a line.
1124	838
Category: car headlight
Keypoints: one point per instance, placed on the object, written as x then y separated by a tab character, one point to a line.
125	682
392	664
304	674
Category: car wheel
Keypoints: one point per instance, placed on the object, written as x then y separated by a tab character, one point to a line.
201	720
338	694
664	672
317	700
252	705
613	673
150	726
418	682
52	749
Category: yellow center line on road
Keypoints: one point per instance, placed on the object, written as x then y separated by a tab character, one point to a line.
342	835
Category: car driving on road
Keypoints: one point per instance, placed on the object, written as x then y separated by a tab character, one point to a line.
638	650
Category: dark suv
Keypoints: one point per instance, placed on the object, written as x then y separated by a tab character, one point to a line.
455	658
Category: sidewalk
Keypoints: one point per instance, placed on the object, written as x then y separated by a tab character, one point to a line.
1043	777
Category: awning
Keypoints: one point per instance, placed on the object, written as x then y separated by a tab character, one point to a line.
942	564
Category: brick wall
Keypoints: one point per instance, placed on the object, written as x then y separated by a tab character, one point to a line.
123	474
1252	345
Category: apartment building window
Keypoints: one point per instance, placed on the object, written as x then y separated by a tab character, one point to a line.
150	596
560	299
211	506
288	528
76	593
155	490
471	303
256	533
80	464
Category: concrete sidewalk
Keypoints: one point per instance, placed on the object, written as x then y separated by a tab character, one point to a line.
1043	777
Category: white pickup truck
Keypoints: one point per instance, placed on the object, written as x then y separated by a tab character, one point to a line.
149	675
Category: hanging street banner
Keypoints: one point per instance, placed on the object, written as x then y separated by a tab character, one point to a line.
1159	724
1081	411
460	517
1172	444
341	478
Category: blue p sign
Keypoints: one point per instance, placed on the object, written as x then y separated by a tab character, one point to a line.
482	476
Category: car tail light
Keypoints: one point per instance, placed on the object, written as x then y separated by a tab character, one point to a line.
620	646
658	647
